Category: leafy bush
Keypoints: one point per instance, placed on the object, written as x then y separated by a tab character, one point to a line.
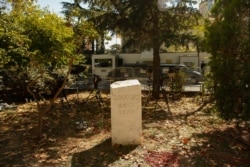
176	82
228	40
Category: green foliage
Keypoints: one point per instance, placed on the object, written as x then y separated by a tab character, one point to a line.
32	42
228	40
87	30
51	39
176	82
34	35
145	24
36	48
13	44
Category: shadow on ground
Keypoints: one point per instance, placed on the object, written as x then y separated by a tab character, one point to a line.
217	144
100	155
18	143
218	148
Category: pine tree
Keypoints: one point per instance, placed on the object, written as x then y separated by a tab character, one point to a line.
229	43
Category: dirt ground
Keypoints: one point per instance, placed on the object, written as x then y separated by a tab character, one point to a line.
79	136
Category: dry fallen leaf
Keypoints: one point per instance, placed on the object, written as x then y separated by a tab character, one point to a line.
185	140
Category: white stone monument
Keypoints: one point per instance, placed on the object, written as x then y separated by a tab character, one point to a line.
126	112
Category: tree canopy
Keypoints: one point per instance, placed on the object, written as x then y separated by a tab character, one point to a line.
35	45
228	38
142	21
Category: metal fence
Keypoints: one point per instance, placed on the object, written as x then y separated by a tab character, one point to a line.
124	73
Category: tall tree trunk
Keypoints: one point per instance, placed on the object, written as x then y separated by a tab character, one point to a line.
157	71
198	55
102	49
40	113
156	58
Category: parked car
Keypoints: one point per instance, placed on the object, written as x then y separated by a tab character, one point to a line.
191	76
140	71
